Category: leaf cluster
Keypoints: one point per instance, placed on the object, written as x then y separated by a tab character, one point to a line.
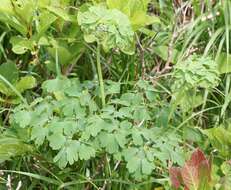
76	129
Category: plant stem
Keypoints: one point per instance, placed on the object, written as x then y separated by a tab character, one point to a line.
58	72
100	76
2	78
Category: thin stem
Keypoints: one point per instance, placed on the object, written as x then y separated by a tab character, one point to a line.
2	78
203	106
100	76
58	72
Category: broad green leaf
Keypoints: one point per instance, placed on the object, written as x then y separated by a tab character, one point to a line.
132	98
136	10
225	183
120	137
55	85
192	134
25	83
220	138
137	162
21	45
55	3
68	127
75	90
6	7
85	98
14	23
9	71
133	164
124	112
141	114
62	13
137	137
41	114
4	89
147	167
22	118
67	52
112	87
24	10
45	21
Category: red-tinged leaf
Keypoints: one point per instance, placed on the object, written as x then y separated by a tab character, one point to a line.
175	177
196	171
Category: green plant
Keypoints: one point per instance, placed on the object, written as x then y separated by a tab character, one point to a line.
76	129
190	77
11	85
61	128
109	28
105	27
136	10
219	137
38	34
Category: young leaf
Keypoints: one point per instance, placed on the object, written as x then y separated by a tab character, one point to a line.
9	71
136	10
25	83
110	28
55	85
22	118
196	171
133	164
95	125
86	152
147	167
56	140
194	175
21	45
68	153
39	134
109	142
175	177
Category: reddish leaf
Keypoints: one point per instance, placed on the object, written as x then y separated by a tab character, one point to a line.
195	175
196	171
175	177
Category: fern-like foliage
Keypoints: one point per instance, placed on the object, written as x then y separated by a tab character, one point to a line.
190	77
196	72
69	120
109	27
